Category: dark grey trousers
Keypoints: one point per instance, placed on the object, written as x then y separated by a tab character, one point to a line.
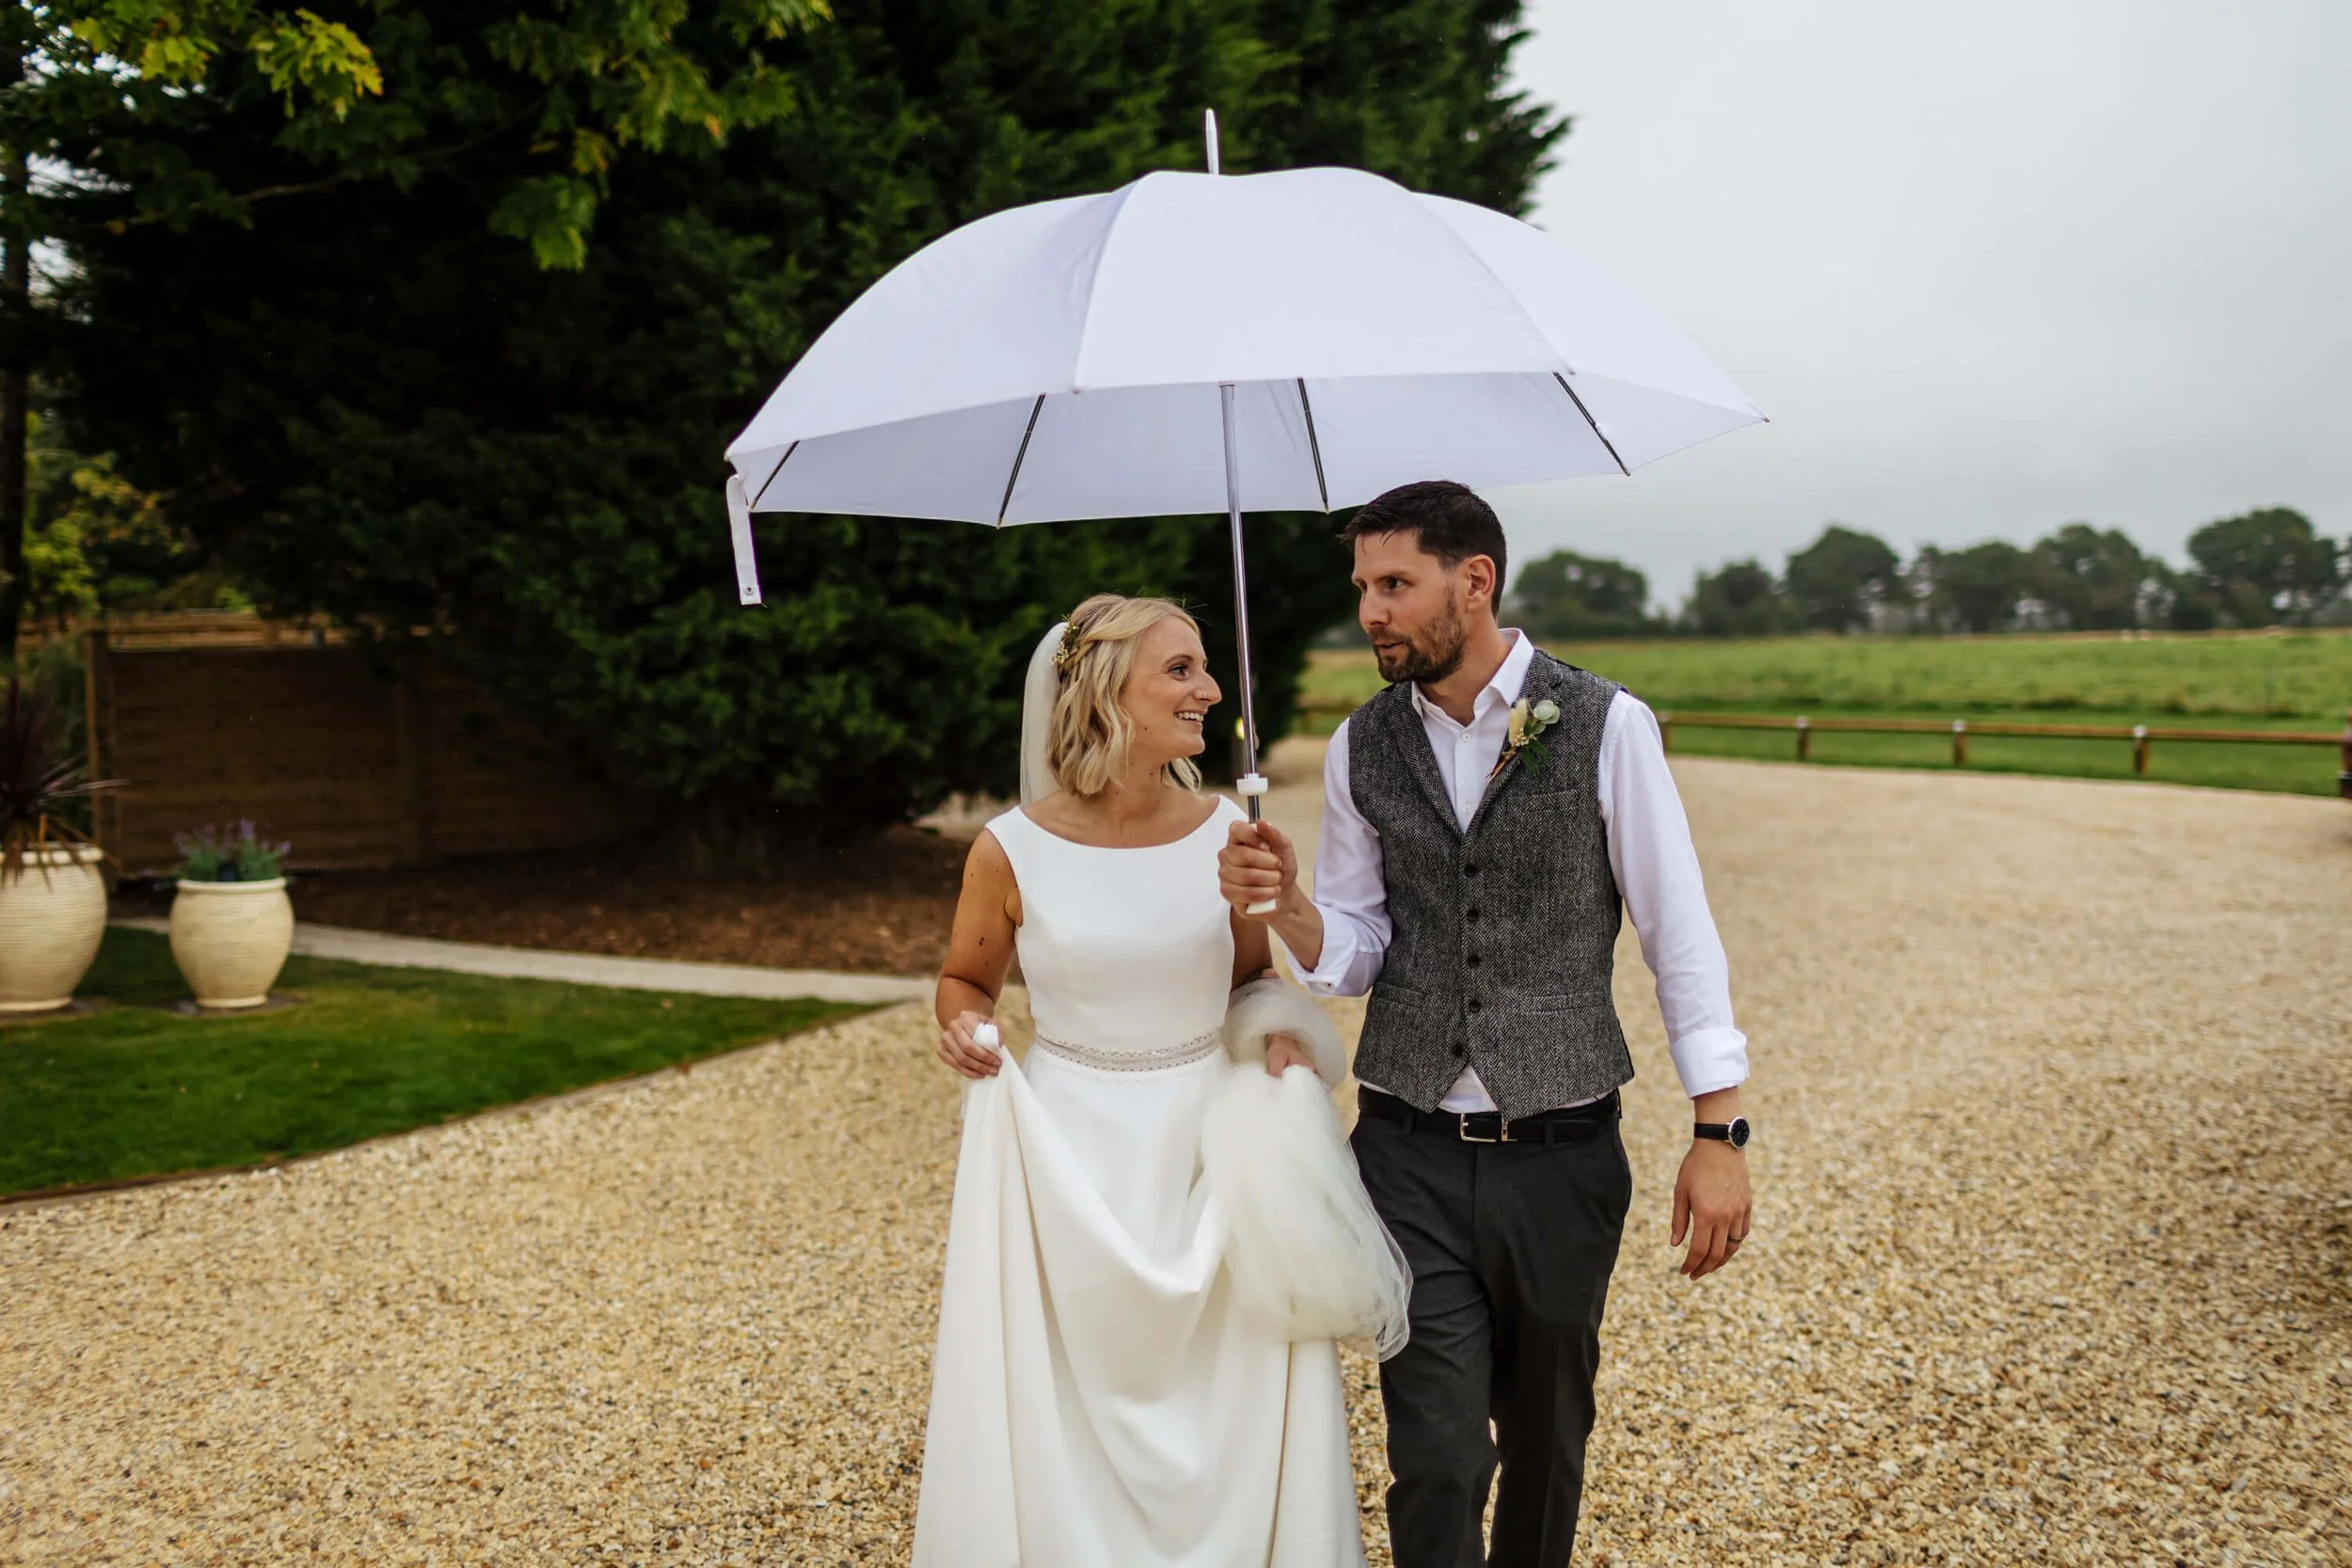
1511	1246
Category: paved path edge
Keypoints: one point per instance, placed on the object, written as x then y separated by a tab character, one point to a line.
587	969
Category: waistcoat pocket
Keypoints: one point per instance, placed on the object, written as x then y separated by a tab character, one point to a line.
1570	1002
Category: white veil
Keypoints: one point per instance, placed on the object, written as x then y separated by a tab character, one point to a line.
1037	716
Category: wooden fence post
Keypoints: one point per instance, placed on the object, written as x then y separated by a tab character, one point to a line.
1666	737
98	702
1960	743
2344	779
2139	750
1805	739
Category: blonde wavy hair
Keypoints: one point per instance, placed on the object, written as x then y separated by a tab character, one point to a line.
1087	742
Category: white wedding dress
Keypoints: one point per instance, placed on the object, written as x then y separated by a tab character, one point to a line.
1098	1398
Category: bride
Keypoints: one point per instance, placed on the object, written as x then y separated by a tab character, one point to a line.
1157	1233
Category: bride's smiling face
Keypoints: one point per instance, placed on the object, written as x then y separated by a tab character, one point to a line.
1169	693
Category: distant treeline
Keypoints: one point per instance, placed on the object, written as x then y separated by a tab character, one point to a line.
2265	568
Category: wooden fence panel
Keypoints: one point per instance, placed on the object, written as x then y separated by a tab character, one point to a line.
359	758
493	785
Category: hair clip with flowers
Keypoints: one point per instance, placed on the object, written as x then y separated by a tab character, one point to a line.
1066	656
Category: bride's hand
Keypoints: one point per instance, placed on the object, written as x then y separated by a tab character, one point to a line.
1283	1051
959	1046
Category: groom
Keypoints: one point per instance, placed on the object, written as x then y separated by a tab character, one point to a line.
1486	818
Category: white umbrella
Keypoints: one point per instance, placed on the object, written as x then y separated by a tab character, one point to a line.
1197	342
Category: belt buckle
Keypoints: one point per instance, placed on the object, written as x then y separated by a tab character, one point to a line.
1503	1127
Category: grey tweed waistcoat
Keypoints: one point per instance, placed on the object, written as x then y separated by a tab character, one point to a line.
1505	936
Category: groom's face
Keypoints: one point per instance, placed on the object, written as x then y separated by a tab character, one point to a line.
1409	604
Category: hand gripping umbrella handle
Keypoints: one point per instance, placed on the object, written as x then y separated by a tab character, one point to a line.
1252	787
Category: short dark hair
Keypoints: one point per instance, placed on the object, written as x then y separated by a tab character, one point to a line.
1446	521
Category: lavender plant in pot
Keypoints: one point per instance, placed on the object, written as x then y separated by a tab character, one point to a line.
52	894
232	924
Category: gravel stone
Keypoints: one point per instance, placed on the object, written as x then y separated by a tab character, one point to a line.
2054	1234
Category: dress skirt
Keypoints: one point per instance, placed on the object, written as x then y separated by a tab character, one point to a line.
1097	1401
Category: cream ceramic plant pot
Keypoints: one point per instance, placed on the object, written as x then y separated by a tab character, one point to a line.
230	938
51	921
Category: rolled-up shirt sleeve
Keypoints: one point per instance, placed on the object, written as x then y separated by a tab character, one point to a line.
1349	887
1656	868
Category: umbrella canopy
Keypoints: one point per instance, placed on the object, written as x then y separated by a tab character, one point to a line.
1064	360
1194	343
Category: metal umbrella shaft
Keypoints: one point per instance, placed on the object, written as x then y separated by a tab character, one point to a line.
1251	786
1241	610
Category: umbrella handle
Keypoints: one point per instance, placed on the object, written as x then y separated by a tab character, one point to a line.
1252	787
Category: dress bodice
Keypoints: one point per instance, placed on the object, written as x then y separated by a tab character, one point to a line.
1128	953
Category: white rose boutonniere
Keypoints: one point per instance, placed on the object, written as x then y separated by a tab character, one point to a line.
1528	723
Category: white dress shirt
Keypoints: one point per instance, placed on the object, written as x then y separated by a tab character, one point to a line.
1649	849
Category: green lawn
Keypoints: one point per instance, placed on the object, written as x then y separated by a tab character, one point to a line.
2300	680
133	1090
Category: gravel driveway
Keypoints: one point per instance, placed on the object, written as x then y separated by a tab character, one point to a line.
2054	1260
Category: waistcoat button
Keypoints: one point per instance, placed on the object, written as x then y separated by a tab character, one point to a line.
1473	1004
1470	913
1470	870
1471	961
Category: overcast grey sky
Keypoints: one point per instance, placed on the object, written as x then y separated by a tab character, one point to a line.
1988	268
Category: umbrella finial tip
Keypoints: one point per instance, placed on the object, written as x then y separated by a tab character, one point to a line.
1208	133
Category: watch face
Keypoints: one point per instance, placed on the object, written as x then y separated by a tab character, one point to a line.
1740	1132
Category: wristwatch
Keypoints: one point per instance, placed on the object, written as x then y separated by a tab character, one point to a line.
1735	1132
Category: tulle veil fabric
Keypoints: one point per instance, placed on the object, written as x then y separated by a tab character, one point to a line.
1306	1250
1038	691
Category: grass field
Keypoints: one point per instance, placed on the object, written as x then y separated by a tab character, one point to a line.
2299	680
133	1091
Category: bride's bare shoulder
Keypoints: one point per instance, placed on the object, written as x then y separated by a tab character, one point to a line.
988	877
1218	805
987	859
1057	813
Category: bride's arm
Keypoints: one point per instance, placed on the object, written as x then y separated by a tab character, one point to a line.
980	954
1254	952
1253	960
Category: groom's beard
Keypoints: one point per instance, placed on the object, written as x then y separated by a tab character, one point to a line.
1433	656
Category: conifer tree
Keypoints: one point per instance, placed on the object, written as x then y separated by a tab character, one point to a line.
376	401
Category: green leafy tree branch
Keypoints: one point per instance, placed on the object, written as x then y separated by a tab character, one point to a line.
122	114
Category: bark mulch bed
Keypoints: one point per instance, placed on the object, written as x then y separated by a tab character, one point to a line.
883	907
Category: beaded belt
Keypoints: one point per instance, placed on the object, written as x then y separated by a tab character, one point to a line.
1192	1050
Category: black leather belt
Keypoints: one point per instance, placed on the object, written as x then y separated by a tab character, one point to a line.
1573	1124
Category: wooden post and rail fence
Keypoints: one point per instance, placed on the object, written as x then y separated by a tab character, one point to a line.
2142	736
